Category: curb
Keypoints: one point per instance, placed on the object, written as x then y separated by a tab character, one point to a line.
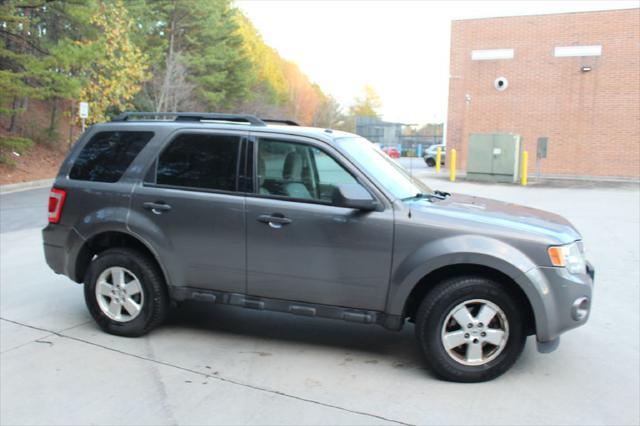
23	186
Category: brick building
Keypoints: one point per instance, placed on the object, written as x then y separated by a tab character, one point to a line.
573	78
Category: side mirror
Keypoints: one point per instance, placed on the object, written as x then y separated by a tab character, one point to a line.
354	196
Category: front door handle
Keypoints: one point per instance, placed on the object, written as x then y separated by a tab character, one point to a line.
158	207
275	221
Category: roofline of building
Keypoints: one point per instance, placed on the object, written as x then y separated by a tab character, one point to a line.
545	14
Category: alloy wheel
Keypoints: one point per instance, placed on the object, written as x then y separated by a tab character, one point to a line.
475	332
119	294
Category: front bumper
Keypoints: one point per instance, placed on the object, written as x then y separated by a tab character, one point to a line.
564	303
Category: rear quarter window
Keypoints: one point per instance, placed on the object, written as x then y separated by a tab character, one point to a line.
107	155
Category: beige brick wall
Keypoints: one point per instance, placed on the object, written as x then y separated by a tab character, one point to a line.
592	119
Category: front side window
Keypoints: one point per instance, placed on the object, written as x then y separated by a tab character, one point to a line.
107	155
298	171
199	160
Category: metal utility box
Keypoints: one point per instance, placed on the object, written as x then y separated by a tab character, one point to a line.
493	157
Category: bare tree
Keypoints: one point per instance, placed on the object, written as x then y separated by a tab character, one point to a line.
328	114
173	90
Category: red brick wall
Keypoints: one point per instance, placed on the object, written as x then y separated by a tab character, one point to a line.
592	119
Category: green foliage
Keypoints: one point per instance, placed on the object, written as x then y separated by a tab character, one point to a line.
367	105
34	62
162	55
268	76
217	63
9	145
118	67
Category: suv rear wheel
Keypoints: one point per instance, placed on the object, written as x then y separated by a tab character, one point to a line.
470	329
125	292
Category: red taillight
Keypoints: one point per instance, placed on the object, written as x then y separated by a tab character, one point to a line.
56	201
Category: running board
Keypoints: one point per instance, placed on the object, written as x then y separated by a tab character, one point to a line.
391	322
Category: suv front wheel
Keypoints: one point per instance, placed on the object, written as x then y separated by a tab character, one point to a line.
125	292
470	329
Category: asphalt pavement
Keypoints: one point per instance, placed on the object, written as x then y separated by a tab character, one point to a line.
224	365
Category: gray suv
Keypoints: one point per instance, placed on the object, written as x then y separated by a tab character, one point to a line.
151	209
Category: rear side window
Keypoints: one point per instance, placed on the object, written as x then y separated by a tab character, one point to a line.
107	155
200	161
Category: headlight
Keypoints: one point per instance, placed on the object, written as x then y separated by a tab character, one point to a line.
570	256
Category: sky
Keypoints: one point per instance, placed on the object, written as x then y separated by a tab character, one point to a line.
401	48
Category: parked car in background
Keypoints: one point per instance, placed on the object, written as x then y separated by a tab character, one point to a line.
431	153
391	151
227	209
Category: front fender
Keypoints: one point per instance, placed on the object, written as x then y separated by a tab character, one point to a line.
459	250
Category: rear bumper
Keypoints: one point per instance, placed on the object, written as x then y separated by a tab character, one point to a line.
61	245
55	257
566	302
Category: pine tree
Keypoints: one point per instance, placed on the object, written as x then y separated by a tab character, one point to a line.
118	68
216	59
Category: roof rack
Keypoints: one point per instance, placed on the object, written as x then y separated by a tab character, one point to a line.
278	121
192	116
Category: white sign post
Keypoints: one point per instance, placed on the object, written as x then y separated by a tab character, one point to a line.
84	113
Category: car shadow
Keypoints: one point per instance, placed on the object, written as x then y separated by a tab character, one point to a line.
371	343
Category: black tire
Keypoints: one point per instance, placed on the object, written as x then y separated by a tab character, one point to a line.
436	306
156	300
430	162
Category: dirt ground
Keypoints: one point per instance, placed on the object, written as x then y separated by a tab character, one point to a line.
39	162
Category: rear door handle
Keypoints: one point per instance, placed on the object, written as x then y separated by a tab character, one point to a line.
275	221
158	207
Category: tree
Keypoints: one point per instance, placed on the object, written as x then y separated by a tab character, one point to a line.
37	60
196	54
118	67
328	114
267	82
303	95
216	60
27	69
163	55
367	105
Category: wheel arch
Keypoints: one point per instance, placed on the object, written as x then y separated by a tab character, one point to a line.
430	280
104	240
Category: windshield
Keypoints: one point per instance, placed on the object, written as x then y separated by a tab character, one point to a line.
389	174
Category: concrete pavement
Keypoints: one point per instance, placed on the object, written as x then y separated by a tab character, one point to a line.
225	365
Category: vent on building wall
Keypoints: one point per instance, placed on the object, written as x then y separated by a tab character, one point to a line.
491	54
501	84
571	51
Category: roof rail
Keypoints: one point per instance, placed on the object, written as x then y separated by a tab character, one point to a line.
278	121
191	116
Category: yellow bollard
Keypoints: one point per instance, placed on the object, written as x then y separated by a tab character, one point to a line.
452	165
438	159
523	170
